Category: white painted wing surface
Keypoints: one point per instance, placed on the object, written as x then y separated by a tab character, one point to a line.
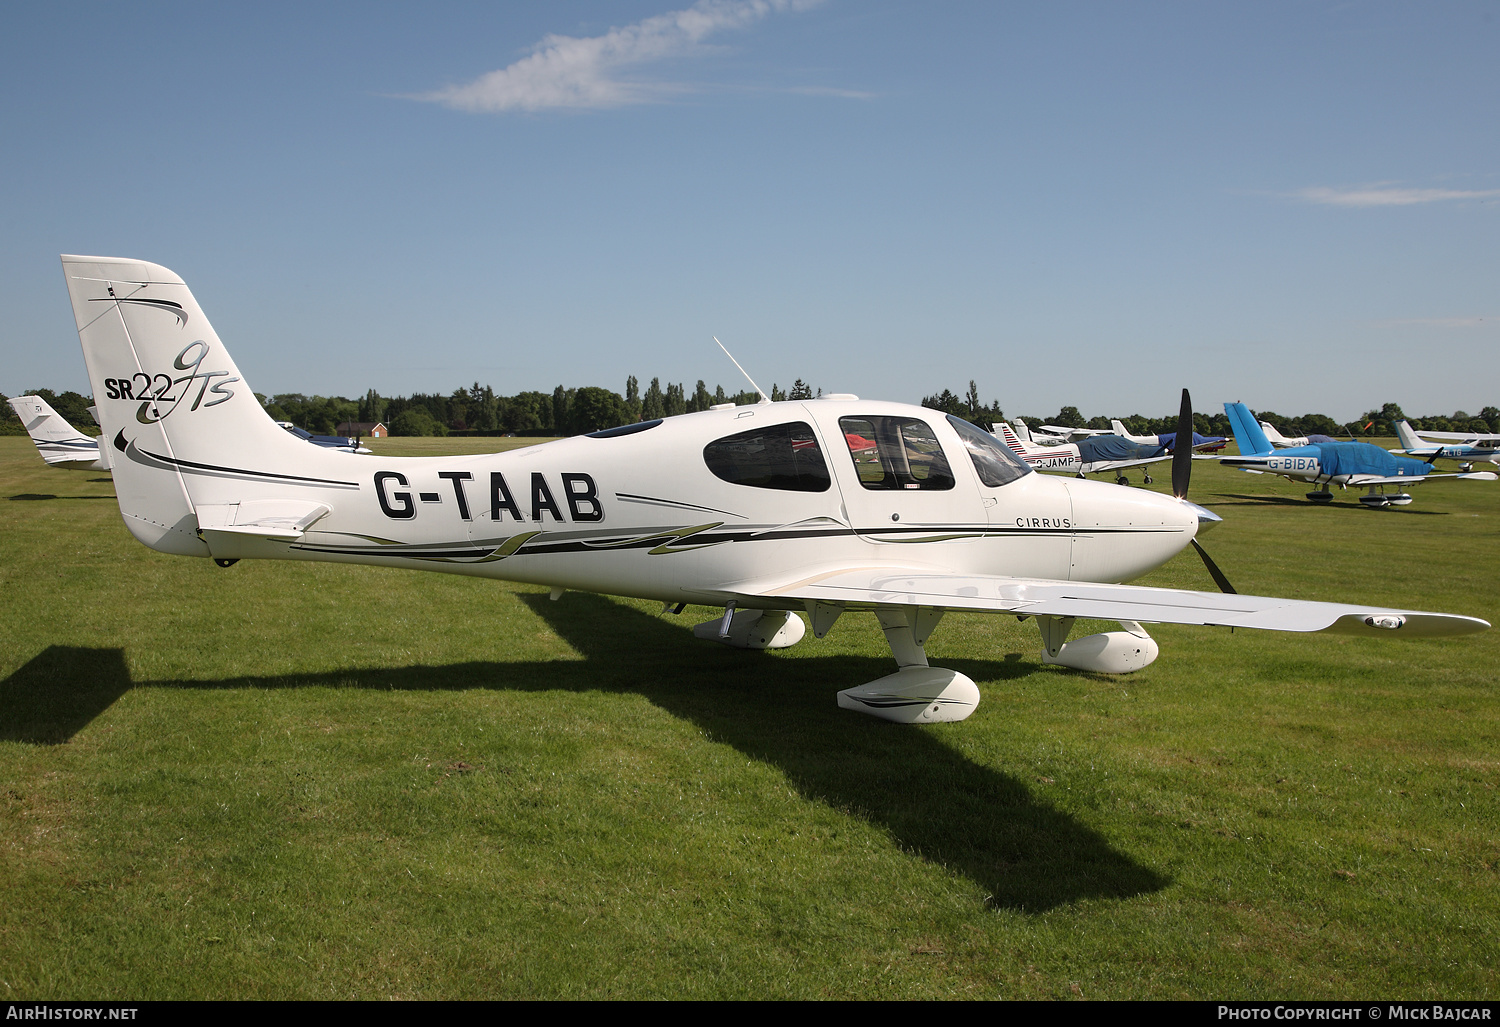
1359	480
868	587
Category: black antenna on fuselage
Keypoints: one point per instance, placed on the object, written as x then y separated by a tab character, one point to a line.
758	390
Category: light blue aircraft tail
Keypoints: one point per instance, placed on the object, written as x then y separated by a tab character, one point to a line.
1247	434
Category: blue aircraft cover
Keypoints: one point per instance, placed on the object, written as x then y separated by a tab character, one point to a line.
1314	439
1367	458
1169	438
1114	447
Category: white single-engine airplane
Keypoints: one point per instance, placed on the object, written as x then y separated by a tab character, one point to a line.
1098	454
765	510
1280	441
1468	448
1360	464
1053	434
60	444
1201	443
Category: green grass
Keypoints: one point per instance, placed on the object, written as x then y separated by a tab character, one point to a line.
306	781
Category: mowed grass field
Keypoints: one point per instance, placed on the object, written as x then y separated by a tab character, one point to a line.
287	780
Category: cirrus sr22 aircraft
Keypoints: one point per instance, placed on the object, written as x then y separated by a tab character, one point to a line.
769	511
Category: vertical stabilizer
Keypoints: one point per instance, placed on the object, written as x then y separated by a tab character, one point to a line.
1247	434
183	427
1008	436
59	443
1409	438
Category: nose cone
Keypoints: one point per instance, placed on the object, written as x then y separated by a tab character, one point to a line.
1206	517
1121	533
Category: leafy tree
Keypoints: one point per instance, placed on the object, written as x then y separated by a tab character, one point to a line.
799	391
632	399
415	421
701	399
1068	416
593	409
945	401
676	402
654	405
778	394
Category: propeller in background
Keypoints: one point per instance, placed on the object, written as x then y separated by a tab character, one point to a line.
1182	474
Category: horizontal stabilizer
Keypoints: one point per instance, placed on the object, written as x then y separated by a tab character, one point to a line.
285	520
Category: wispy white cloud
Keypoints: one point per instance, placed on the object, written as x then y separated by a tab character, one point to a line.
1387	194
568	72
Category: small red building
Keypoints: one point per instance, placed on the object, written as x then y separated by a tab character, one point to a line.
364	429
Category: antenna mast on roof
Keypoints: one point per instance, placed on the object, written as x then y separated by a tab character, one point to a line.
759	391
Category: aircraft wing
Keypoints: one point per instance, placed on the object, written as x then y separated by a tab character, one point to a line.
1360	480
1456	436
869	587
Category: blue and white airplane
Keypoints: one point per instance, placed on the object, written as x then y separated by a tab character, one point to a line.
1360	464
1469	448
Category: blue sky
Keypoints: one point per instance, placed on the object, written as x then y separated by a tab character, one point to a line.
1291	204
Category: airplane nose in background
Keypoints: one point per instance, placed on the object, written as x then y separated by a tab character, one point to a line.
1206	517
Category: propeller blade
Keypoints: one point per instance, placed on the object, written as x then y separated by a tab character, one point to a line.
1213	570
1182	449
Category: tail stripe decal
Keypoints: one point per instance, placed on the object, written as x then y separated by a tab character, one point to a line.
141	456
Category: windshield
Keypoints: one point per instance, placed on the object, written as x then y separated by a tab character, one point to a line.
995	464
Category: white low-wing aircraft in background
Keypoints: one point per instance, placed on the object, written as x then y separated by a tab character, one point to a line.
1280	441
60	444
1098	454
1053	434
766	510
1201	443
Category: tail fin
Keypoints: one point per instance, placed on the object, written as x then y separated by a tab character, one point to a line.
1409	438
1275	437
1022	431
1118	427
1008	436
1247	434
60	444
184	427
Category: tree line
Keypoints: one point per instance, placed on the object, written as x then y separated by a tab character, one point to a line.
576	411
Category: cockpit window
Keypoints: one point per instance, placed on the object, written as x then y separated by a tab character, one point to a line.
995	464
896	453
778	456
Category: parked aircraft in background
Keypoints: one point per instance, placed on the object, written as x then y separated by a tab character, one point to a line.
762	510
1053	434
1201	443
1100	454
1360	464
1280	441
344	442
1468	448
60	444
64	446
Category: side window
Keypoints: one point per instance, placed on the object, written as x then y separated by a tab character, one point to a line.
778	456
896	453
995	464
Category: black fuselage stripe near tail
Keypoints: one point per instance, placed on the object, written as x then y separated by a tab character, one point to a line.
193	466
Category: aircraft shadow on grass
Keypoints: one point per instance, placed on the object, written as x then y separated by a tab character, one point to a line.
982	823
